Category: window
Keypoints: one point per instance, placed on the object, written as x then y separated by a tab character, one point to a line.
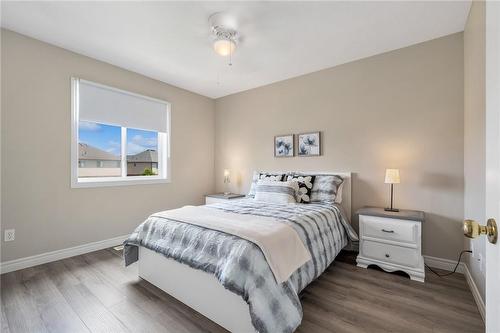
118	137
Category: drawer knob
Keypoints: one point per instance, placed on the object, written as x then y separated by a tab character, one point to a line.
387	255
388	231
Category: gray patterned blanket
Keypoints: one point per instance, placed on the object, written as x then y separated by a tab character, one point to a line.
240	266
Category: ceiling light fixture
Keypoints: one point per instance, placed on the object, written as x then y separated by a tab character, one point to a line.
224	43
225	36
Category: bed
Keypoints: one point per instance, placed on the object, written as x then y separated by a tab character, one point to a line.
227	278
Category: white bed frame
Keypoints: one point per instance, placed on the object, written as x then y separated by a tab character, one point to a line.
201	291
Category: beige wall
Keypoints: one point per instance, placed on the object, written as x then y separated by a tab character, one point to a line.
36	196
475	133
402	109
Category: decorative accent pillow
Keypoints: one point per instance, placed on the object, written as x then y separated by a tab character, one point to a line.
326	188
276	192
305	184
257	175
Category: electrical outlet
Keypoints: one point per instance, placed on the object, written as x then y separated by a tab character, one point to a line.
9	235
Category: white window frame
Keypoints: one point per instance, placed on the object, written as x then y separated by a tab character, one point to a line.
164	162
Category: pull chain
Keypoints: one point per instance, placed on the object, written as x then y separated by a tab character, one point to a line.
230	53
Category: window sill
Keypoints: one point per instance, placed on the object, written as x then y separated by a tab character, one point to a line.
117	181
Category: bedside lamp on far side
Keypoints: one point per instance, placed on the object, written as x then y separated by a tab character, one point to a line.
392	177
227	180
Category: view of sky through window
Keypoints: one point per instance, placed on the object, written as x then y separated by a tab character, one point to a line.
100	151
103	137
108	138
140	140
142	153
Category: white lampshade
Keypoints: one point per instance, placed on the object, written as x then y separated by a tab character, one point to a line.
224	47
227	176
392	176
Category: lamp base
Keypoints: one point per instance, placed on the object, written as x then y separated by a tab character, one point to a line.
391	209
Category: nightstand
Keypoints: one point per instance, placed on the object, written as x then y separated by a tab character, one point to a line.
392	241
221	197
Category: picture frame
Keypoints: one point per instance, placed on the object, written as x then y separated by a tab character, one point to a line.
309	144
284	145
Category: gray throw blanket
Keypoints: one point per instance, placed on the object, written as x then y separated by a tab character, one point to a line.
240	266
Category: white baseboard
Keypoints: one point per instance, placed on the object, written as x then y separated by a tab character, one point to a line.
14	265
446	264
475	292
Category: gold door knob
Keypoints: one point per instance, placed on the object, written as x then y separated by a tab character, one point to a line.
472	229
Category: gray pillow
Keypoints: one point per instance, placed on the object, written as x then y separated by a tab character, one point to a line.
277	192
325	187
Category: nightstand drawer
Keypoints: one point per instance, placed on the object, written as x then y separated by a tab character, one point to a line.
389	229
390	253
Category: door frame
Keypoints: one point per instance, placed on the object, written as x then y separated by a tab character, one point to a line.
492	257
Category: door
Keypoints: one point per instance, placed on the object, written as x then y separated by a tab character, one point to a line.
493	162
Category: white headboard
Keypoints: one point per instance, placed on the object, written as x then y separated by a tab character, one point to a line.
346	191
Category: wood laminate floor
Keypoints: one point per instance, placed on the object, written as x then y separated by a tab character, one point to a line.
94	292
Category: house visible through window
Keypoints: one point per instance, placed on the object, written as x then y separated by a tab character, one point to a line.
118	137
99	153
142	153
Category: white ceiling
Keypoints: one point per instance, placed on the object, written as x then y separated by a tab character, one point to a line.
170	41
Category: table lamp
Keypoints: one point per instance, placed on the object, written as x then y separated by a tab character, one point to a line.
392	177
227	180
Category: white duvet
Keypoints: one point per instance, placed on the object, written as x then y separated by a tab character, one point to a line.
281	245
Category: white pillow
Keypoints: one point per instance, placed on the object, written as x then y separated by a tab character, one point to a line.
276	192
